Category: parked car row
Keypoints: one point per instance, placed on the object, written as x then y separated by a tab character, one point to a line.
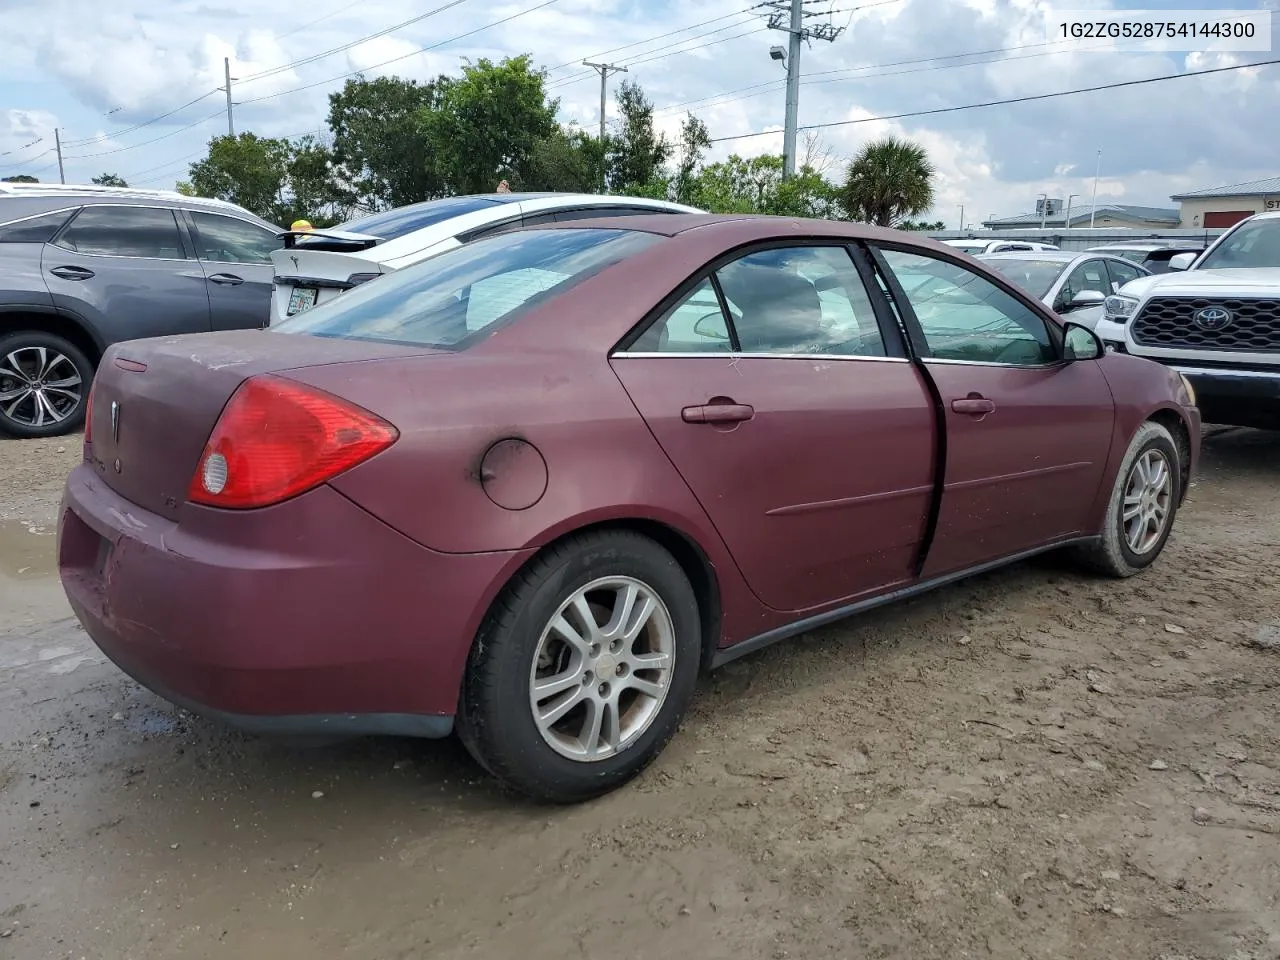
82	268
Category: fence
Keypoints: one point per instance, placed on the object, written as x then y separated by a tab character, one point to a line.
1081	238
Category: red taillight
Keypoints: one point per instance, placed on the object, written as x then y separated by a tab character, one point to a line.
277	439
88	412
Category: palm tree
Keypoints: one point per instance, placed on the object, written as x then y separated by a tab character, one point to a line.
887	181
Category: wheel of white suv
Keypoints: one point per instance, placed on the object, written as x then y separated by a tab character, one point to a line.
44	384
583	670
1143	505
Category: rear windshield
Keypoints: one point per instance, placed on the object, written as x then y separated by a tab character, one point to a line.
1033	276
391	224
459	297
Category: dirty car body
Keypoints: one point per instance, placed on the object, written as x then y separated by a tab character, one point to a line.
530	488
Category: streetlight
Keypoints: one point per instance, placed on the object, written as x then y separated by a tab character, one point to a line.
779	54
1070	197
1044	207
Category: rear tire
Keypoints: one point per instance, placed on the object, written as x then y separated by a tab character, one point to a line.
1143	505
562	708
44	385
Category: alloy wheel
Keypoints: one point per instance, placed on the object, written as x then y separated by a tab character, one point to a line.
603	668
1148	497
39	386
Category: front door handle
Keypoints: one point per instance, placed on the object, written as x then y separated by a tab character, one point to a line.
72	273
974	406
226	279
718	413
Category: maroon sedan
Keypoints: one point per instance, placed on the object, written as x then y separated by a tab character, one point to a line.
530	488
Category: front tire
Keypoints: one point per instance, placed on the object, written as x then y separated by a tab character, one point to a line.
583	669
1144	502
44	385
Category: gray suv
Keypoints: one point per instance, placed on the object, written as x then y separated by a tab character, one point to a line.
84	267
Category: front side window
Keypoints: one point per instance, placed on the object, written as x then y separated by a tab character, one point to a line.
1121	273
1090	275
140	232
228	240
800	300
1255	244
964	316
453	297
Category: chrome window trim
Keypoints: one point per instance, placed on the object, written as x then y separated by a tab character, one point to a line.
739	355
46	213
993	363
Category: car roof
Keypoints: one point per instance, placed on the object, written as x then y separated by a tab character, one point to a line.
93	193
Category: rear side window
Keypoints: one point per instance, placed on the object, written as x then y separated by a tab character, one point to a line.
396	223
453	299
228	240
140	232
35	229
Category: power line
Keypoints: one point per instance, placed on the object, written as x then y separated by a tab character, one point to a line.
285	67
403	56
643	57
138	126
312	23
1011	100
660	36
146	143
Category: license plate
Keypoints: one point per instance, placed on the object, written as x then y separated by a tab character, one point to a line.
302	298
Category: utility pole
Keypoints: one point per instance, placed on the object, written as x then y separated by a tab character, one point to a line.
226	67
790	16
962	216
57	143
604	69
1070	197
1097	171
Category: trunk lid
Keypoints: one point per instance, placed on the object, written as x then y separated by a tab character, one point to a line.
156	401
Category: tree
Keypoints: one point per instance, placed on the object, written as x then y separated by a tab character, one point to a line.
694	141
889	180
382	155
921	225
109	180
569	160
637	154
19	178
247	170
311	186
486	125
755	185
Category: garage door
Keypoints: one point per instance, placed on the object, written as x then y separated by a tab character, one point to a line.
1226	218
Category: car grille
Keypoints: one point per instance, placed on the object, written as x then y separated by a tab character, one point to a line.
1171	322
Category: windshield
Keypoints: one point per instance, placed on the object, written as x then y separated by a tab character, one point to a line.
456	298
1033	276
1255	244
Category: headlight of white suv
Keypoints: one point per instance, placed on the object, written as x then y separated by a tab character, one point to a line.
1119	309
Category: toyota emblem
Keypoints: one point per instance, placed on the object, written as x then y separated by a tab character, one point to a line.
1213	318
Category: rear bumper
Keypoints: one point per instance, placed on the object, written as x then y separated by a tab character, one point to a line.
311	616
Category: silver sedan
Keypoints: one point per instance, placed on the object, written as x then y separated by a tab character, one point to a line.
1071	283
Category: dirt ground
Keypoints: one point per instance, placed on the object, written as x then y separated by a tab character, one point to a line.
1034	764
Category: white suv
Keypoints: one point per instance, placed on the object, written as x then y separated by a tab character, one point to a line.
1215	319
317	265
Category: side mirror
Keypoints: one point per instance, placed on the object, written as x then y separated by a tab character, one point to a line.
1081	343
1087	298
711	326
1182	261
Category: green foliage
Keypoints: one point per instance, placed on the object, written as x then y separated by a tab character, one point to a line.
569	160
247	170
889	180
755	185
382	154
637	154
921	225
19	178
487	125
313	188
695	140
109	180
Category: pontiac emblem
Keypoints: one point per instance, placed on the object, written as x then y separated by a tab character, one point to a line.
295	262
115	420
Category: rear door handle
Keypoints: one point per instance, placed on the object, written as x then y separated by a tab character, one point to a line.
226	279
718	413
974	406
72	273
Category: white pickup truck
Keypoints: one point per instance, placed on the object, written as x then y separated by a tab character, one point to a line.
1215	319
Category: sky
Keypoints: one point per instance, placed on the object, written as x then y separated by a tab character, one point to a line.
118	80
